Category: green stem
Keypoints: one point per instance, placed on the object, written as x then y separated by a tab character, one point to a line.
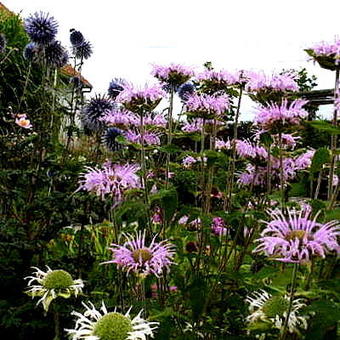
171	104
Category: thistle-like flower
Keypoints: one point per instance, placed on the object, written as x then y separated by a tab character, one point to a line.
93	112
76	37
296	238
142	259
31	52
51	284
111	179
55	54
185	91
109	138
116	86
41	28
274	309
3	43
100	324
83	51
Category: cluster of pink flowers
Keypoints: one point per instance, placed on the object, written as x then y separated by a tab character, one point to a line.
194	223
327	49
175	74
196	124
277	82
222	145
246	149
205	105
188	161
133	97
218	226
284	114
136	256
111	179
297	238
221	77
148	138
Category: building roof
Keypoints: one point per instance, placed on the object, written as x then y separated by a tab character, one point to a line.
69	71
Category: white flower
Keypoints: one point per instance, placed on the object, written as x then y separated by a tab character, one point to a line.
265	307
51	284
96	325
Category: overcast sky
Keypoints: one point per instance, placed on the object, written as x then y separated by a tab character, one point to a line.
129	35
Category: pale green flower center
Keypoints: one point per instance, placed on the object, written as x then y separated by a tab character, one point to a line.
299	234
276	305
57	279
143	254
113	326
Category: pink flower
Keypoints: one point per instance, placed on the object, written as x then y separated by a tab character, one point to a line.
248	150
174	74
141	258
218	226
222	145
296	238
206	105
196	124
22	121
189	161
222	77
149	138
119	117
304	161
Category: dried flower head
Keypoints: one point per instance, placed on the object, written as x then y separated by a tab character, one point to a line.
76	38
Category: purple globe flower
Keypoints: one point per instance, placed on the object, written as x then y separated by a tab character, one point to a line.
296	238
94	111
76	38
116	86
3	43
109	138
30	51
185	91
41	28
55	54
83	51
141	258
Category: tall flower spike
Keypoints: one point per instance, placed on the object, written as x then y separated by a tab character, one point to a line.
265	307
142	259
41	28
296	238
51	284
100	324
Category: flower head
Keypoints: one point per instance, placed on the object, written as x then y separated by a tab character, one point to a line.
185	91
277	116
111	179
55	54
41	28
218	80
76	38
30	51
22	121
173	75
109	138
3	43
83	51
218	226
296	238
94	110
116	86
136	256
148	138
51	284
266	307
119	117
188	161
100	324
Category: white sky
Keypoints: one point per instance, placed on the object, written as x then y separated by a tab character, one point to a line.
129	35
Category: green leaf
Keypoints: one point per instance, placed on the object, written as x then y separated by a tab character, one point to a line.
321	157
323	125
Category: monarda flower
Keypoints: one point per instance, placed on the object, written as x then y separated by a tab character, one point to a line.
248	150
100	324
274	309
207	106
51	284
142	258
41	28
196	125
326	54
137	99
218	226
111	179
217	80
188	161
276	117
173	75
93	112
148	138
296	238
119	117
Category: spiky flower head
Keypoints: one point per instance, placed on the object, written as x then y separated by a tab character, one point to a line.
265	307
76	37
83	51
116	86
109	138
141	257
100	324
207	106
275	117
136	99
246	149
119	117
51	284
55	54
93	112
41	28
297	238
31	51
185	91
173	75
111	179
3	43
326	54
